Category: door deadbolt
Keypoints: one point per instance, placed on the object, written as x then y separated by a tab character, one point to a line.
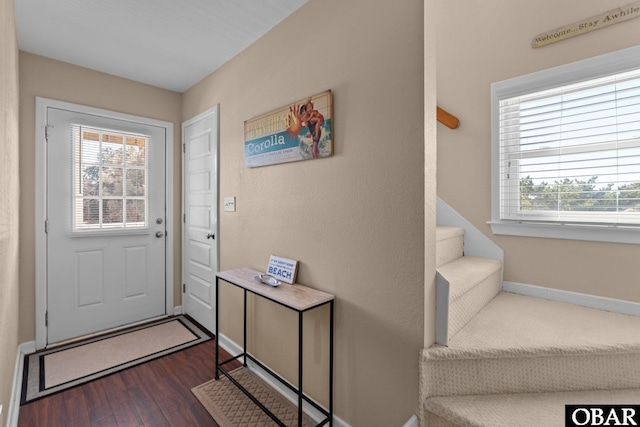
159	234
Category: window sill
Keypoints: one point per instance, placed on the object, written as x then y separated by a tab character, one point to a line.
594	233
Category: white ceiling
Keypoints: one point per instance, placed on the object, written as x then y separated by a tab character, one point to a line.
171	44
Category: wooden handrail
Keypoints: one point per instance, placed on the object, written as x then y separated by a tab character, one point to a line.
447	119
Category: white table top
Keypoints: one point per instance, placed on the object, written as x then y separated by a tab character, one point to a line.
297	297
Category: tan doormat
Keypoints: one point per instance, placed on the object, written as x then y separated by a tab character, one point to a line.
230	407
50	371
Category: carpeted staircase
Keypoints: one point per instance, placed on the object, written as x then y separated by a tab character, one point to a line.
514	360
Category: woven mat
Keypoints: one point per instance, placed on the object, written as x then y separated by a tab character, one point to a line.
50	371
230	407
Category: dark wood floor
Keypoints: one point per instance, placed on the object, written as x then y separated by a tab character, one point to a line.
154	394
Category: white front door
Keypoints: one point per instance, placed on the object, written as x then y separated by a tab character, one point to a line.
105	229
200	220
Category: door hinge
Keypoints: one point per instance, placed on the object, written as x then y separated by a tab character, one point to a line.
46	132
184	288
46	318
184	148
46	225
184	218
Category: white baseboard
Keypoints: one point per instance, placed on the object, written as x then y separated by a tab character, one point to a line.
413	422
177	310
14	404
232	348
585	300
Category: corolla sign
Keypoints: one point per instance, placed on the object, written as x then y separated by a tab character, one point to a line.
300	131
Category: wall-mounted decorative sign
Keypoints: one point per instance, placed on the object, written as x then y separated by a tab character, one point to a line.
299	131
283	269
586	25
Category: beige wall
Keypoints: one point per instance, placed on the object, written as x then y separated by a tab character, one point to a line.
9	197
51	79
355	220
480	42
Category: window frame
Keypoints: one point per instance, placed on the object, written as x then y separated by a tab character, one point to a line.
101	227
575	72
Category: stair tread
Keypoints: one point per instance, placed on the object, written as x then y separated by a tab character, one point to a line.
446	232
513	325
522	409
466	272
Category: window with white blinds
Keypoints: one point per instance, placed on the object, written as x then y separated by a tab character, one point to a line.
571	154
566	151
109	180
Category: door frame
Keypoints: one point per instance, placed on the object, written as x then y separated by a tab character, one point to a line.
42	104
213	110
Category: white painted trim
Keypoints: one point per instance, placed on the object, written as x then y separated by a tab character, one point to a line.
40	217
591	233
476	243
177	310
213	110
16	389
585	300
232	348
412	422
40	193
442	309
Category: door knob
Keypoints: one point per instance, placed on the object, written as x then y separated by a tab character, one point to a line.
159	234
211	236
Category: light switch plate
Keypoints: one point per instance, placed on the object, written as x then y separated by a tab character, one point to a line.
230	204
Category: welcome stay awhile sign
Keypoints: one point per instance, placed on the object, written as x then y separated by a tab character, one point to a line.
613	16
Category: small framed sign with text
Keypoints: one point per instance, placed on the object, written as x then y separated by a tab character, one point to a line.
283	269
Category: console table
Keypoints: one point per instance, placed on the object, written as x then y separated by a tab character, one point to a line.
295	297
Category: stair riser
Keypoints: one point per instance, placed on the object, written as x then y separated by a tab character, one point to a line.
448	250
520	409
432	420
529	374
465	307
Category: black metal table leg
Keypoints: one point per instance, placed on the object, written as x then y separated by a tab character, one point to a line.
300	370
331	364
244	327
217	375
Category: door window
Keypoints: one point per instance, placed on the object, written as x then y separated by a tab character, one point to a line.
110	180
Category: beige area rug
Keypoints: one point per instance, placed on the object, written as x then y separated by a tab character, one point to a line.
230	407
54	370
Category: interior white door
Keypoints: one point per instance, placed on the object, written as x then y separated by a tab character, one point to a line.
200	228
105	223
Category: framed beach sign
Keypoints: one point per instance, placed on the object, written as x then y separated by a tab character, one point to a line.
299	131
283	269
